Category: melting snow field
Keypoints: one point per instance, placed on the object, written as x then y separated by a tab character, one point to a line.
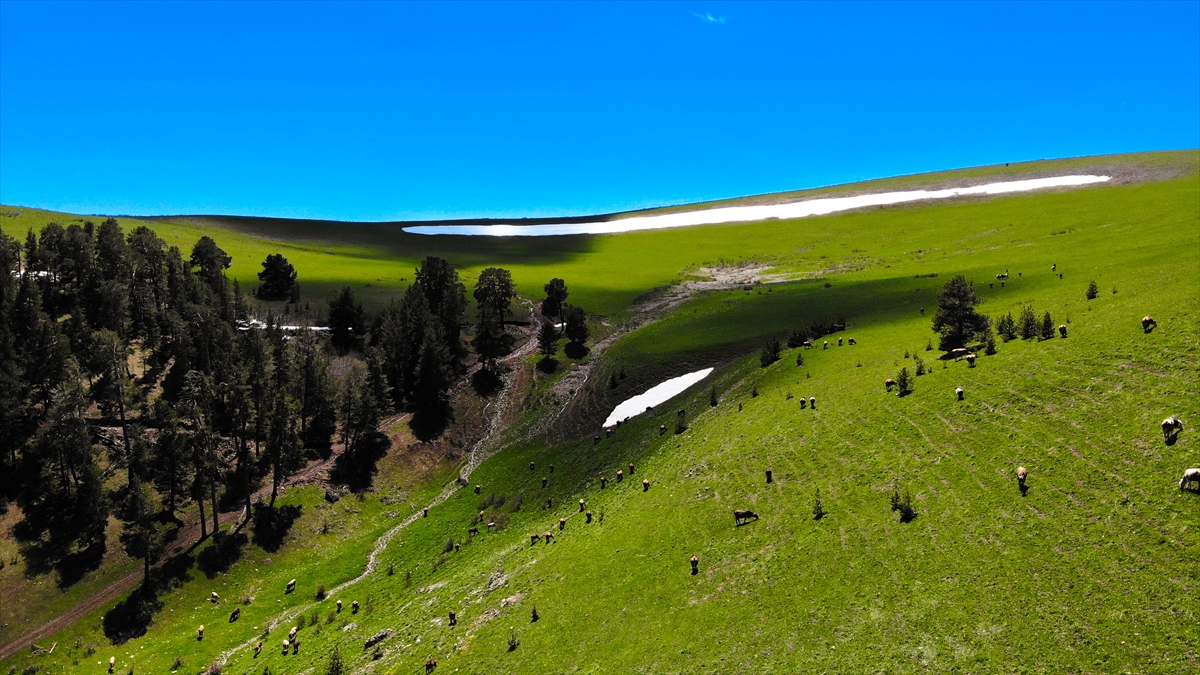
659	393
737	214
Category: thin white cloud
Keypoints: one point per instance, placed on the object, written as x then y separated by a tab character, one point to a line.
709	18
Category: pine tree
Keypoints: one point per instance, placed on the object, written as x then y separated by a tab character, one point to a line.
556	295
278	279
547	340
904	382
956	319
575	320
1028	323
346	327
1093	291
1047	327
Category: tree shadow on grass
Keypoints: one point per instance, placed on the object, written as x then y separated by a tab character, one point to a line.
131	617
271	525
428	425
219	556
548	365
74	566
576	350
356	469
486	383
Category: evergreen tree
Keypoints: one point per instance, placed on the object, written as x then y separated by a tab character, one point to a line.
904	382
278	279
433	374
346	321
314	391
770	352
1093	291
211	261
494	293
1047	327
1028	323
575	324
170	466
447	299
547	340
556	295
1007	327
956	319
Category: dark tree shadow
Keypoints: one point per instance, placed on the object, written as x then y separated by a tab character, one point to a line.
576	350
131	617
74	566
429	424
486	383
271	525
174	572
357	469
225	550
548	365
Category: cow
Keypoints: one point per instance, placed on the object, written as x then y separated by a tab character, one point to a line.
631	468
581	505
839	342
589	516
472	530
112	663
549	537
662	429
562	523
533	539
851	341
429	666
453	619
1054	267
889	383
354	607
237	612
770	476
1190	476
603	482
339	606
743	516
646	485
959	353
695	565
258	649
812	402
970	359
1148	324
200	632
532	466
620	476
1062	330
214	598
958	391
286	644
1022	473
803	402
826	345
1002	277
1171	426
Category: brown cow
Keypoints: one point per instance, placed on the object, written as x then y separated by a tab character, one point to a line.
851	341
889	383
970	359
1022	473
429	666
1148	324
742	516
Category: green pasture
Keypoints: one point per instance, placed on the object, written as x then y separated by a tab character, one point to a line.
1095	570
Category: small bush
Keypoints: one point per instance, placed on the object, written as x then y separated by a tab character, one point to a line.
612	381
175	665
320	591
929	346
1028	323
513	642
314	618
515	504
331	617
391	569
408	578
1093	291
770	352
1047	327
799	358
818	507
1007	327
904	382
921	370
903	504
754	392
680	422
448	546
907	355
712	396
335	666
989	344
1114	289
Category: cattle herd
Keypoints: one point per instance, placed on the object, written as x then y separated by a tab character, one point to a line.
1171	427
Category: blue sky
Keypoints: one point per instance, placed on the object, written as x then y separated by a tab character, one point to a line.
380	111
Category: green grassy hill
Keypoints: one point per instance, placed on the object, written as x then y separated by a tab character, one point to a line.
1096	569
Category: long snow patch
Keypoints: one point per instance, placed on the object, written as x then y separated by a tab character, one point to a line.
660	393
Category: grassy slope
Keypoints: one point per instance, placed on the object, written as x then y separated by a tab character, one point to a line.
605	273
981	587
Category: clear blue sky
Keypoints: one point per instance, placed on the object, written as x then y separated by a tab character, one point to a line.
380	111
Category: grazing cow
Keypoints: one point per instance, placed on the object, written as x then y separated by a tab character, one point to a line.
339	606
807	344
1054	267
581	504
812	402
200	632
970	359
1002	276
549	502
1062	330
478	489
258	649
234	616
839	342
742	516
472	530
424	513
589	516
958	391
662	429
286	644
991	284
533	539
491	524
1148	324
922	310
562	523
1171	426
645	485
295	647
429	666
551	468
548	536
959	352
292	632
112	663
695	565
620	476
1190	476
603	482
214	598
1022	473
826	346
457	547
545	482
803	402
453	619
770	477
595	439
889	383
851	341
532	466
607	433
631	468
